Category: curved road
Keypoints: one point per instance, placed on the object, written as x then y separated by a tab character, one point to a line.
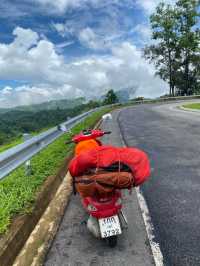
171	137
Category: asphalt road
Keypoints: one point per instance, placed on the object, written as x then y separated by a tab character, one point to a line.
75	246
171	137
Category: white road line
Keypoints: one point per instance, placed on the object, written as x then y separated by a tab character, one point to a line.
155	247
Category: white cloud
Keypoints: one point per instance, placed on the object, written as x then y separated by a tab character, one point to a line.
107	31
60	28
25	95
29	58
97	31
90	39
25	38
63	5
35	61
149	5
69	28
7	90
102	40
144	31
60	5
64	44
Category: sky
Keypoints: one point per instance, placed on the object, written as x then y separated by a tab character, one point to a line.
72	48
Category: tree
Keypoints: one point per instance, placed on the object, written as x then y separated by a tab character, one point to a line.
188	43
176	47
196	74
110	98
164	52
93	104
2	138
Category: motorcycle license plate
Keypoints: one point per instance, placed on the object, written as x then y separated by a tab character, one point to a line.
110	226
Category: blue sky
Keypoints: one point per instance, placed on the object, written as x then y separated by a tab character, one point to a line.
70	48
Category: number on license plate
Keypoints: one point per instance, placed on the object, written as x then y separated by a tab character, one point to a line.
109	226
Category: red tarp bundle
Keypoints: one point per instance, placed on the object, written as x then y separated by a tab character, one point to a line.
105	156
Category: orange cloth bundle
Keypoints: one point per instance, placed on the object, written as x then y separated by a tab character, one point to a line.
85	145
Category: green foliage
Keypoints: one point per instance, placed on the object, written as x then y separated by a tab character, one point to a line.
11	144
2	138
189	45
18	191
14	123
110	98
195	106
176	50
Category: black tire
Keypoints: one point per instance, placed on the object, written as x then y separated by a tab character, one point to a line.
112	241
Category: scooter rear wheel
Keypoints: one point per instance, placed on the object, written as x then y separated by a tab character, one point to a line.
112	241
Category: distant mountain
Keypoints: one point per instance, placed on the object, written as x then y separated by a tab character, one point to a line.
51	105
123	95
4	110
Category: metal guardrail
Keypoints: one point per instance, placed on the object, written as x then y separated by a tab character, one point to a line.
14	157
166	99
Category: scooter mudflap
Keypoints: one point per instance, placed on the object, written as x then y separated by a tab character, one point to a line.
110	226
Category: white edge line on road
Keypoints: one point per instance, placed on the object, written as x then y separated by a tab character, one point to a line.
155	247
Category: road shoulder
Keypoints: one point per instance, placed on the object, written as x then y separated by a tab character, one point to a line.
74	245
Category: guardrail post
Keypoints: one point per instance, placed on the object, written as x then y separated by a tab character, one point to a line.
27	164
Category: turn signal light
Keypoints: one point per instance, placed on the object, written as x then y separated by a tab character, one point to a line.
91	208
118	202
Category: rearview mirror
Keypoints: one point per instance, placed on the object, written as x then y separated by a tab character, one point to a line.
107	116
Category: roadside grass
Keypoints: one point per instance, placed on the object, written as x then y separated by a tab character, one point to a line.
11	144
192	106
18	191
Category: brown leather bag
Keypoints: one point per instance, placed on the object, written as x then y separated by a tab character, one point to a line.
103	183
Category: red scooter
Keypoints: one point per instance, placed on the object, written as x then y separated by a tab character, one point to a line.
106	219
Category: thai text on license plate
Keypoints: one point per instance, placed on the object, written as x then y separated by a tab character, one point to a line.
110	226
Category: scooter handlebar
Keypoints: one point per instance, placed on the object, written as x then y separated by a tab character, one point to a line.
107	132
78	138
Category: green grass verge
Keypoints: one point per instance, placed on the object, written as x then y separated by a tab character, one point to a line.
192	106
18	191
11	144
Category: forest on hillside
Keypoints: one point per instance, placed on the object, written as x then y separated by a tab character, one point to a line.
15	123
